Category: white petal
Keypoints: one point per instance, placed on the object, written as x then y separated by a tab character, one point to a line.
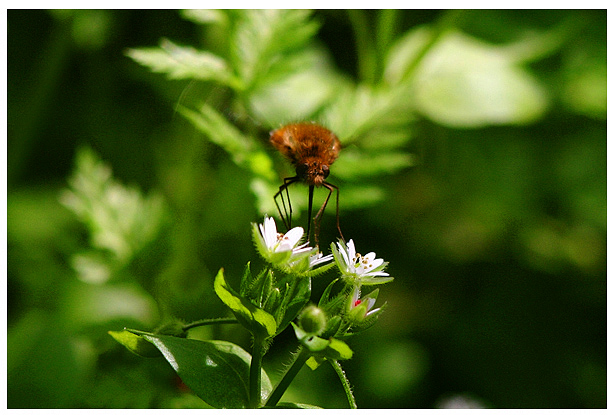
289	240
351	250
294	235
345	255
270	234
377	263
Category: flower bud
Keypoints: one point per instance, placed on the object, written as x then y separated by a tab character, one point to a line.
312	320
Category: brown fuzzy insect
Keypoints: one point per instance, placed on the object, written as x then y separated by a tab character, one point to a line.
312	149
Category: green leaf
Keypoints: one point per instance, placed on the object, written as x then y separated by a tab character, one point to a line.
295	297
184	62
262	38
204	16
221	132
135	343
326	348
306	83
260	323
463	82
256	289
293	405
120	220
216	371
338	350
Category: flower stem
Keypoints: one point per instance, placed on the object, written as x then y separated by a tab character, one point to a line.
209	321
300	358
255	373
345	383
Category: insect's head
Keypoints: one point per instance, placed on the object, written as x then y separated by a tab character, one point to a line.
312	171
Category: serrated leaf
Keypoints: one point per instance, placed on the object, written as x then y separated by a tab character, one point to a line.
221	132
216	371
185	62
300	85
120	220
260	323
135	343
261	37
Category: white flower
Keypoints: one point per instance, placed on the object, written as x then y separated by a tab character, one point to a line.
318	258
366	270
277	242
283	250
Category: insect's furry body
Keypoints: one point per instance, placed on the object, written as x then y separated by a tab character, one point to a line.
312	149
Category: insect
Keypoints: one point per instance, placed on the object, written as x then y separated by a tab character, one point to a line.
312	149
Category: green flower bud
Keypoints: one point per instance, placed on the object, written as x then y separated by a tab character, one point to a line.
312	320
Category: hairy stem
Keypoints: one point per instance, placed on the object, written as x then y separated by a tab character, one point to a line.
345	383
208	322
255	373
300	358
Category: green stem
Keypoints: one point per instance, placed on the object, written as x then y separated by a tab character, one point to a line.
386	28
345	383
255	373
300	358
366	54
445	23
208	322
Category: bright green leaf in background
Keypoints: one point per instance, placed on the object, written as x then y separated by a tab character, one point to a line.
121	220
182	62
463	82
492	218
263	40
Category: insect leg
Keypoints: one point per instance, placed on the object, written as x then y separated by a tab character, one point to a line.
310	194
286	216
337	211
318	216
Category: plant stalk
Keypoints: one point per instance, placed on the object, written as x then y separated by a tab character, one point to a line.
208	322
345	383
255	373
300	358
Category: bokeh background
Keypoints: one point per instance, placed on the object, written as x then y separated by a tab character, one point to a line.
496	235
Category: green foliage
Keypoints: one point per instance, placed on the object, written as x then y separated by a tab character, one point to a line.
260	323
135	343
216	371
498	232
465	83
121	222
323	348
292	84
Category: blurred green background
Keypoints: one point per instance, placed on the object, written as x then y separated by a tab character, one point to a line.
496	236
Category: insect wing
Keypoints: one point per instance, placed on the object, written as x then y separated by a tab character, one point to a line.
282	140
